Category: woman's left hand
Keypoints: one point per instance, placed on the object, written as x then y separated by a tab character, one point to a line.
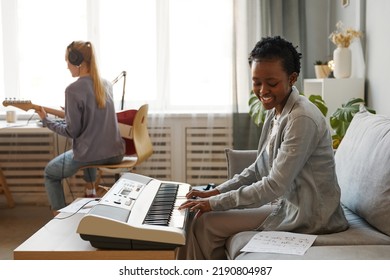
41	112
200	205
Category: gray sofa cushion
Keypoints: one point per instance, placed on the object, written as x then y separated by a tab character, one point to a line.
361	252
238	160
362	166
358	233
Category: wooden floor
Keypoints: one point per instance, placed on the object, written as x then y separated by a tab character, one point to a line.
18	223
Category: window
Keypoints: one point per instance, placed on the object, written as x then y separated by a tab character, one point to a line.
177	54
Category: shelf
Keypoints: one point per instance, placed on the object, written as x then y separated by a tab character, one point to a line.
335	92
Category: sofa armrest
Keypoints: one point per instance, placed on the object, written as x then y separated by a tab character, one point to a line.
238	160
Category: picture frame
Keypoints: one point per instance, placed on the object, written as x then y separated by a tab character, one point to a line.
344	3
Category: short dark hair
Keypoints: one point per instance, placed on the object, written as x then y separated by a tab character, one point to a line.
277	48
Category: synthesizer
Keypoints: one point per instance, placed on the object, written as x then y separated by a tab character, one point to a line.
138	212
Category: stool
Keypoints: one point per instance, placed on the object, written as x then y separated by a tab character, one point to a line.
4	189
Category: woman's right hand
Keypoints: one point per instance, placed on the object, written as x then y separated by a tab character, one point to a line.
202	194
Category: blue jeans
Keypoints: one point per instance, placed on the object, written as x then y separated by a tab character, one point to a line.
64	166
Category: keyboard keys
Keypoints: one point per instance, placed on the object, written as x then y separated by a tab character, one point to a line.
160	211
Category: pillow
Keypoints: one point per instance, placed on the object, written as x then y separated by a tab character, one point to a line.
238	160
363	168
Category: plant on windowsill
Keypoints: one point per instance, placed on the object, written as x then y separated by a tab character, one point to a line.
342	117
322	70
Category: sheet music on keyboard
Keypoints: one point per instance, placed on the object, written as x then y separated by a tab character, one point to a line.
138	212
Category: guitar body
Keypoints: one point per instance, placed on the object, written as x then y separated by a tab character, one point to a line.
127	117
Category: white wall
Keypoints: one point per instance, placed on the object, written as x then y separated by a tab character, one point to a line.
378	55
318	45
352	15
371	17
321	19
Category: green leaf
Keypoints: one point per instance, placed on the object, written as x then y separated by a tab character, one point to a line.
320	103
256	109
342	117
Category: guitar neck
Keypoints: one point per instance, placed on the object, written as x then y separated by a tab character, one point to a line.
58	113
27	105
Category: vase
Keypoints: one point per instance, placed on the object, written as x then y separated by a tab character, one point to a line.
342	59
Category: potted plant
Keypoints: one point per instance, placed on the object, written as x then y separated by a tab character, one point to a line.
322	70
342	117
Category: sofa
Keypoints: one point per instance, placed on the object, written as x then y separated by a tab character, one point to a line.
363	171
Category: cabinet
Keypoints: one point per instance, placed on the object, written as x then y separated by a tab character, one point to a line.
334	92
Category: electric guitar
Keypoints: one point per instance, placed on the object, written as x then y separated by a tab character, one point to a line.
27	105
124	117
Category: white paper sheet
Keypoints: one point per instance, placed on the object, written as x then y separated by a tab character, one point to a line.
280	242
82	205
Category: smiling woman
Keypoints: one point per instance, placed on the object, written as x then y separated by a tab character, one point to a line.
160	44
292	184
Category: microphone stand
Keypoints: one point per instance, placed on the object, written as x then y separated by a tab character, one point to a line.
122	74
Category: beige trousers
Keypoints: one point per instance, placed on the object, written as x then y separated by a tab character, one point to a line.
207	235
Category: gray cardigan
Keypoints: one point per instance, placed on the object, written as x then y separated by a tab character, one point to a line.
299	173
94	131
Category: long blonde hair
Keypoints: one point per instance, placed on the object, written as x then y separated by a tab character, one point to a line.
87	51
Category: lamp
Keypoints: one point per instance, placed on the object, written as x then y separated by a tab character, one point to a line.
331	64
121	75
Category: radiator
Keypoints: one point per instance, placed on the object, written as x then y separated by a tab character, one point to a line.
23	157
186	149
205	156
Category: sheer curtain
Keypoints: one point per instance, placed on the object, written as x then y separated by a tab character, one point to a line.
180	56
177	54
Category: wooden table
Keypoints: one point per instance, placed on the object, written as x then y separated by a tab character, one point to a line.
58	240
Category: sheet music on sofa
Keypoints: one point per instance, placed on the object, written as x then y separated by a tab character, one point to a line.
280	242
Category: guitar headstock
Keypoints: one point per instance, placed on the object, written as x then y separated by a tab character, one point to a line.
21	104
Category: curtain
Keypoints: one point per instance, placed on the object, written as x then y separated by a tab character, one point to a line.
248	28
253	20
